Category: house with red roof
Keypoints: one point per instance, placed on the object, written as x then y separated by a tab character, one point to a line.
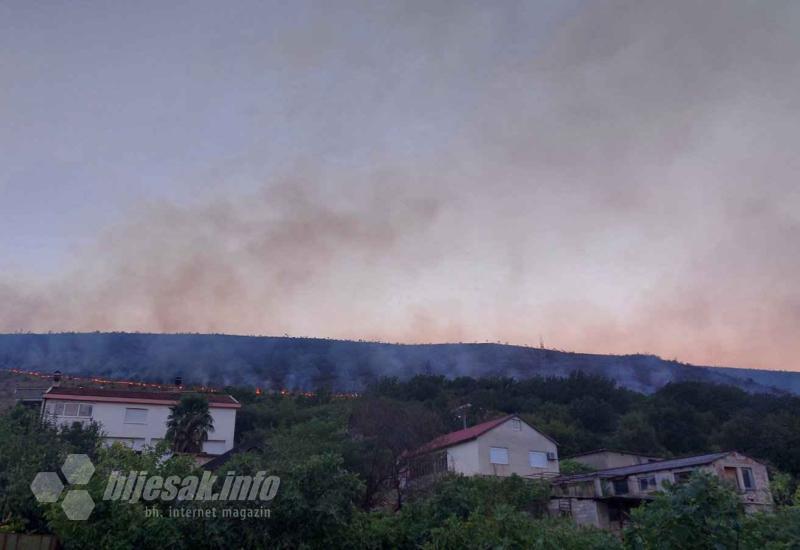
136	418
500	447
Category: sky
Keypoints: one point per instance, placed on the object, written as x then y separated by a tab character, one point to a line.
602	176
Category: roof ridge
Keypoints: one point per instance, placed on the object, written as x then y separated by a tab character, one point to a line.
460	436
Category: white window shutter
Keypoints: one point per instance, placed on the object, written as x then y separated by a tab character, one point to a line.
537	459
498	455
135	416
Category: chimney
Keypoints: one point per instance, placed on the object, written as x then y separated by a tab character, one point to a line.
56	378
179	381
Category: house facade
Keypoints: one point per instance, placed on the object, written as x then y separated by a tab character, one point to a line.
136	418
604	498
500	447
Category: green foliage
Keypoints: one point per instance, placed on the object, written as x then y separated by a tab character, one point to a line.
314	508
460	512
28	447
585	412
508	528
699	514
635	433
461	496
705	513
122	525
783	488
383	430
189	423
570	467
778	531
339	462
316	503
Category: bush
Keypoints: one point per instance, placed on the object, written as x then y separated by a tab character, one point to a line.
699	514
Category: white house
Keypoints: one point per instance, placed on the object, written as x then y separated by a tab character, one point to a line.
500	447
137	418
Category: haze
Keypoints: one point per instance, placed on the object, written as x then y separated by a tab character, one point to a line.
613	177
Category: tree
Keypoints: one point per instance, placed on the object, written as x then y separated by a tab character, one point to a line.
30	446
509	528
123	524
594	414
778	531
570	467
476	512
635	433
702	513
189	424
385	430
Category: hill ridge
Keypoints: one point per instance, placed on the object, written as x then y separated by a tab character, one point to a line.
308	362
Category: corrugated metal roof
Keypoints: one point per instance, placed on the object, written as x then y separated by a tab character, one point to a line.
661	465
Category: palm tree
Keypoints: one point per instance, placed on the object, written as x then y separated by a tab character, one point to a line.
189	423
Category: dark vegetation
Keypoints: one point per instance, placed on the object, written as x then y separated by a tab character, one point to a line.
311	363
338	463
189	423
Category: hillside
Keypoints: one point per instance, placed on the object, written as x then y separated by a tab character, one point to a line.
307	363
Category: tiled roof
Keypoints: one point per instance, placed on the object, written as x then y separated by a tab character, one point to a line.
671	464
462	436
136	396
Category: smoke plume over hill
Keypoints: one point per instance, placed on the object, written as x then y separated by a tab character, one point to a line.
306	363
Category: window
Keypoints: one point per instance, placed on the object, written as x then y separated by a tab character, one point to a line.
498	455
135	416
72	409
516	425
620	486
747	479
537	459
647	483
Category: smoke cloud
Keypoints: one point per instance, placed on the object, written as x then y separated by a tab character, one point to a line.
621	178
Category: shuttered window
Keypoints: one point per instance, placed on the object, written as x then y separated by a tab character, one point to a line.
498	455
537	459
135	416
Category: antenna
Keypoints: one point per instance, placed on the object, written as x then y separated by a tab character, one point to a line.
462	412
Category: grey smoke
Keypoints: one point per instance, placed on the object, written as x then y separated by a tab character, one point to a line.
622	179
